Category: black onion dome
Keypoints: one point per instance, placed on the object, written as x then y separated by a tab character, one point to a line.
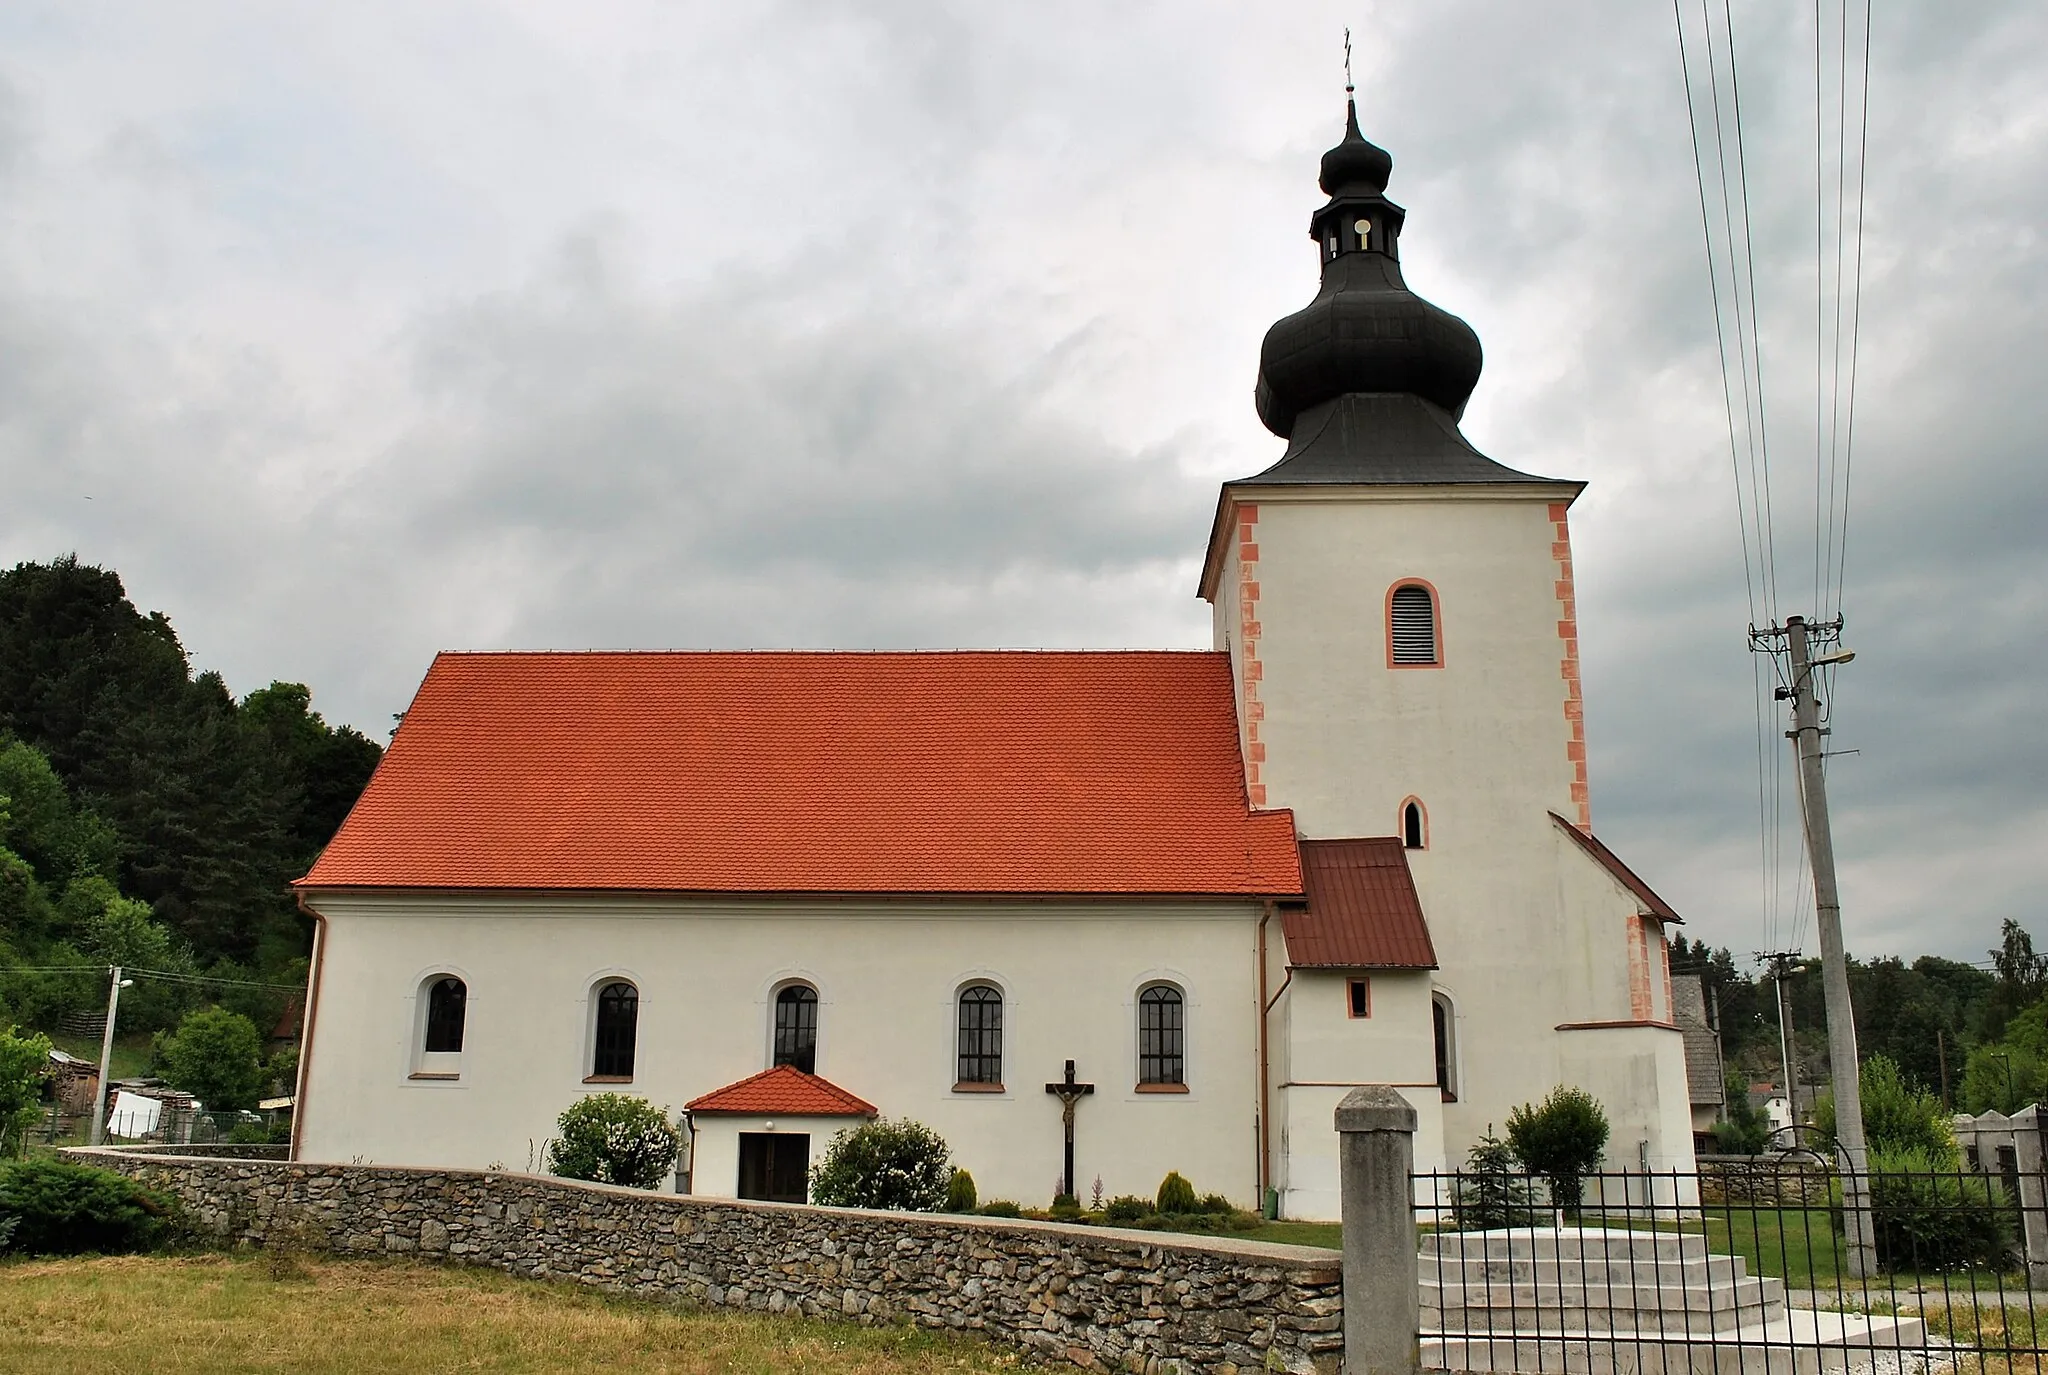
1355	162
1365	332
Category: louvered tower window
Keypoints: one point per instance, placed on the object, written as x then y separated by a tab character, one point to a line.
1413	625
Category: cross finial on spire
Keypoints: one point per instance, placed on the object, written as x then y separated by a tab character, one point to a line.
1348	87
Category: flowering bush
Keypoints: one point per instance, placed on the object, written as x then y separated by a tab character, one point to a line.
614	1138
884	1164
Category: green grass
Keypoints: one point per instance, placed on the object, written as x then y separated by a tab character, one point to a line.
1796	1245
131	1053
221	1315
1325	1234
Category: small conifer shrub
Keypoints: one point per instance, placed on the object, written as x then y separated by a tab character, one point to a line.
960	1195
1176	1195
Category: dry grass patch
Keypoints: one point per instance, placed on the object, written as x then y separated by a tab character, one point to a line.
221	1315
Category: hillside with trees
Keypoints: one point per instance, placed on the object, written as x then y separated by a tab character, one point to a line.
147	817
1976	1037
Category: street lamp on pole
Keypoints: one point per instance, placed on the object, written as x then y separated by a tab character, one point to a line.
99	1102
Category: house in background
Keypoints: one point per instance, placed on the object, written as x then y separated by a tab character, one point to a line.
1350	843
1706	1075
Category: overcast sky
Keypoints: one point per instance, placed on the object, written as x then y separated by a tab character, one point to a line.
347	333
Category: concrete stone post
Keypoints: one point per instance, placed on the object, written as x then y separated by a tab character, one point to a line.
1382	1304
2033	1200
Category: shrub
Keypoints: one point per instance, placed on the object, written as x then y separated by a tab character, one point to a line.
1495	1190
217	1057
1215	1204
1930	1216
960	1195
1745	1130
1176	1195
1126	1209
1898	1118
614	1138
1561	1139
65	1209
883	1164
24	1063
1001	1207
1066	1208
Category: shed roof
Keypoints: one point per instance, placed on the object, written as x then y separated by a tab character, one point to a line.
1653	906
783	1091
956	772
1363	911
1703	1071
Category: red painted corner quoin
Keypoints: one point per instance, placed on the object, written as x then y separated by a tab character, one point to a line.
1005	772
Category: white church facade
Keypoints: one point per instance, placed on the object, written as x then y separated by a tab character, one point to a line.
780	893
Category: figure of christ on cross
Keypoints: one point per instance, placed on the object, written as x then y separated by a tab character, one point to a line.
1069	1093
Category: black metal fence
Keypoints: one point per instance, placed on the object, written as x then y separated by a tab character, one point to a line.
1779	1266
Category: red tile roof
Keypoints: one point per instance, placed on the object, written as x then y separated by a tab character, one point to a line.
784	1091
1653	905
1363	911
965	772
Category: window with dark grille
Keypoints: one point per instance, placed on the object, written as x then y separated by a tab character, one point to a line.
1160	1036
796	1027
981	1035
445	1006
618	1028
1411	825
1414	625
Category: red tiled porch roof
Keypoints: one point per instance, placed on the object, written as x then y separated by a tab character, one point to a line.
784	1091
1363	911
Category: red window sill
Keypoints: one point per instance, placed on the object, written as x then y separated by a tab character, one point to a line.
967	1086
1162	1088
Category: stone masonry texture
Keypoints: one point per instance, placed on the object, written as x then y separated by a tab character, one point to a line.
1098	1298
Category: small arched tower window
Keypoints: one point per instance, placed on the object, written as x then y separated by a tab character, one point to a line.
1162	1036
1414	825
981	1036
1413	639
796	1027
618	1031
447	1005
1445	1022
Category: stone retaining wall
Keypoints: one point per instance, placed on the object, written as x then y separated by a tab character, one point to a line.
1765	1180
1101	1298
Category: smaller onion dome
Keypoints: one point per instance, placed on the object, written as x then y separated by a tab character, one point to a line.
1356	164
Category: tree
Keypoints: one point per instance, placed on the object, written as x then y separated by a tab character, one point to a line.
1898	1117
615	1138
1562	1139
2022	978
1745	1130
217	1057
24	1064
900	1165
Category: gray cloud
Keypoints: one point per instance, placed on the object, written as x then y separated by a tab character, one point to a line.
373	332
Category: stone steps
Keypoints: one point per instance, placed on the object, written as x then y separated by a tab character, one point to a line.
1500	1308
1800	1342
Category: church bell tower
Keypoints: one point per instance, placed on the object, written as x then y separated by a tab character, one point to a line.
1399	615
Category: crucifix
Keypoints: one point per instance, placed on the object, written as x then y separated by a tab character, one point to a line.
1069	1093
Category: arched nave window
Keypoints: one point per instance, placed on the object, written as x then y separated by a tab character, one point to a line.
1414	825
1413	638
1445	1019
617	1032
1162	1036
981	1035
796	1027
447	1005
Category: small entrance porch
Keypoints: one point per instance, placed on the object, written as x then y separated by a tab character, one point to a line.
759	1138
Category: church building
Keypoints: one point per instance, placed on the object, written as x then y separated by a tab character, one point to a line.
784	893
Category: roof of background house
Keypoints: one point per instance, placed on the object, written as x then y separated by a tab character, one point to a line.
962	772
1702	1047
1653	905
784	1091
1363	911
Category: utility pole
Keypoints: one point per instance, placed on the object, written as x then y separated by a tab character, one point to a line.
1781	962
99	1102
1806	735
